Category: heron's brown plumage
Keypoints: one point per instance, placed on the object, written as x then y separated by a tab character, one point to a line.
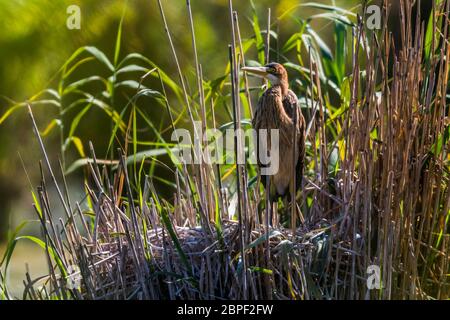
275	110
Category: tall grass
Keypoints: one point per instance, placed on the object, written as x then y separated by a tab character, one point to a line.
376	187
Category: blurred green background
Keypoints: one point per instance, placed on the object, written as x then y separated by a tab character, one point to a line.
35	43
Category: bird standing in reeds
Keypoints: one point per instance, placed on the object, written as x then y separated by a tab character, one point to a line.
277	109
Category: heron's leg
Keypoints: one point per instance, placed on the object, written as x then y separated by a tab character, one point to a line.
286	203
268	205
295	211
293	214
273	216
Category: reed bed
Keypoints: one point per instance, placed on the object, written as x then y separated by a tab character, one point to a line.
376	188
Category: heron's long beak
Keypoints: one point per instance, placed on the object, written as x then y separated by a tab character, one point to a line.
260	71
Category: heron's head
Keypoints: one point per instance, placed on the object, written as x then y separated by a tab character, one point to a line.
274	72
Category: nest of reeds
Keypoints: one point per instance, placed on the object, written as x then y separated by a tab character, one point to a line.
140	255
204	265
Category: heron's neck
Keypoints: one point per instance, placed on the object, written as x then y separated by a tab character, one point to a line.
284	86
282	83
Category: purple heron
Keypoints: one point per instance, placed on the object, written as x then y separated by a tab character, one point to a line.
277	109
